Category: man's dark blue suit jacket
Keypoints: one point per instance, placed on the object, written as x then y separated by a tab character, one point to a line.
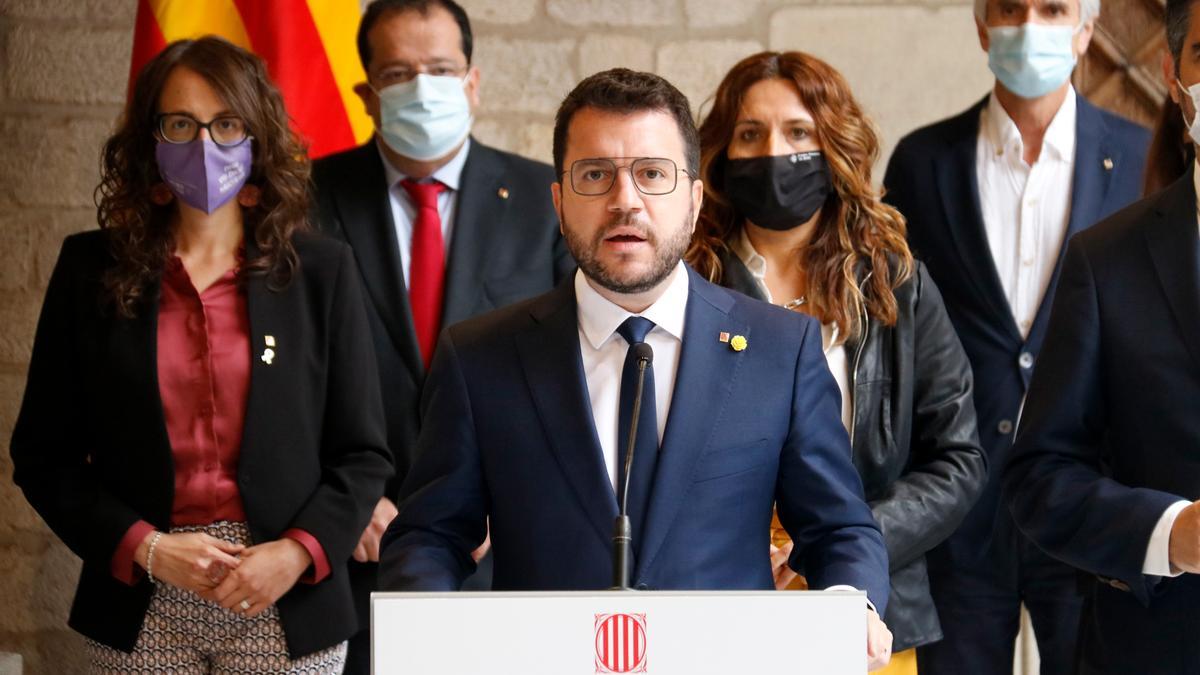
507	434
1110	436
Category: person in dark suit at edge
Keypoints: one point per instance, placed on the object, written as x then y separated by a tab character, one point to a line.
735	417
991	196
1104	475
443	227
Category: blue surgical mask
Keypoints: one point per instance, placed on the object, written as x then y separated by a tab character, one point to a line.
1033	59
426	117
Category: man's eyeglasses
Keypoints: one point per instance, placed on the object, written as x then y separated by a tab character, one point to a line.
224	130
653	176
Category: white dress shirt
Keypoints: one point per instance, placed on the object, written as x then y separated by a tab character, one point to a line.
831	340
1025	208
603	351
1158	552
404	212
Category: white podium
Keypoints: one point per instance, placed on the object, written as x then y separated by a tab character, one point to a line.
657	633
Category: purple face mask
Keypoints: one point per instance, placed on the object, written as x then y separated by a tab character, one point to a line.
201	173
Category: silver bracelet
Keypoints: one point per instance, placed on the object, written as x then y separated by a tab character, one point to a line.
150	556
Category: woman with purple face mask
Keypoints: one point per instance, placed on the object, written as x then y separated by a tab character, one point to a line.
201	424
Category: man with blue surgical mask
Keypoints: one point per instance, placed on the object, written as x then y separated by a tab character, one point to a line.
443	227
991	197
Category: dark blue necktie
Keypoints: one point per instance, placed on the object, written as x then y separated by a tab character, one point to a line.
645	455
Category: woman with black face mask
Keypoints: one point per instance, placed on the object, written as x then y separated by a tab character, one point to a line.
791	217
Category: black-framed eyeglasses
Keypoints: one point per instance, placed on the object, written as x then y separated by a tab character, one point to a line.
655	176
224	130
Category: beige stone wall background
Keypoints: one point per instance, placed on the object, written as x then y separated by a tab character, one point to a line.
63	70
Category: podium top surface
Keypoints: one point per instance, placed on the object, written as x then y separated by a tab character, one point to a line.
378	595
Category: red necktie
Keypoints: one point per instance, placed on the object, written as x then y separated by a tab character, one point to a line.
427	278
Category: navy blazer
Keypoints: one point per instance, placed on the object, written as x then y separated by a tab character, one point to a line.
508	433
1111	433
931	180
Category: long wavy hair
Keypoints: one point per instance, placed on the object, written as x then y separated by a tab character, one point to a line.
139	231
855	229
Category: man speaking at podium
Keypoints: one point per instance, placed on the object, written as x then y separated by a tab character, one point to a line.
529	411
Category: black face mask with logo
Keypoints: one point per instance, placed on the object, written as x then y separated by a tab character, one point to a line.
778	192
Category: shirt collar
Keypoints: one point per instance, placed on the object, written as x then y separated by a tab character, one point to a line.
744	250
599	318
1059	140
450	173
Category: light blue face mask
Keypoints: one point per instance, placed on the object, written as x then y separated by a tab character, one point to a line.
1033	59
1193	94
426	117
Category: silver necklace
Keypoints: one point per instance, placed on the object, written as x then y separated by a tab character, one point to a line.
796	303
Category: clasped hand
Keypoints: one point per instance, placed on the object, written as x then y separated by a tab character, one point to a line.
243	579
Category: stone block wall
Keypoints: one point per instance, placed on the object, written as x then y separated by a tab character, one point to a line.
63	71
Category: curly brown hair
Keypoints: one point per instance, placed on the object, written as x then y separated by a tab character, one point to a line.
139	231
855	227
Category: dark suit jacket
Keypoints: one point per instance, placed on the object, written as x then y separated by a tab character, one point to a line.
508	433
931	180
505	247
90	447
1110	435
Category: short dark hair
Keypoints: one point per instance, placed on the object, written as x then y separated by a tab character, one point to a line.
1177	17
379	9
621	90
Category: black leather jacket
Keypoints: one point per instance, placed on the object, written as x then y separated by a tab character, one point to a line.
913	436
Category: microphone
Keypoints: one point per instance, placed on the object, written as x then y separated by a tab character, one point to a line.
622	537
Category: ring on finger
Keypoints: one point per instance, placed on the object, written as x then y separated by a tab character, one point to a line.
245	605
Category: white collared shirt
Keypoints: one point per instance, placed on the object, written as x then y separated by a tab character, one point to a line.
831	340
1026	209
603	351
404	212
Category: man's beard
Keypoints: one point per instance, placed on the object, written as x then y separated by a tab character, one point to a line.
666	256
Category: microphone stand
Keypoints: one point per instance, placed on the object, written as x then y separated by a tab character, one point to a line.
622	537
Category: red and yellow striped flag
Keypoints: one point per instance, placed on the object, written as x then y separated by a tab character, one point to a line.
308	46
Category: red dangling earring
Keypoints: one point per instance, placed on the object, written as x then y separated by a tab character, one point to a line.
161	195
249	195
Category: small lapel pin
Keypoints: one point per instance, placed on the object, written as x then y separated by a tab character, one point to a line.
738	343
723	337
268	354
502	193
1108	164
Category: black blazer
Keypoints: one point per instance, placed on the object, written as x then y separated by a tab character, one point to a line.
1110	435
914	442
505	247
90	447
931	180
